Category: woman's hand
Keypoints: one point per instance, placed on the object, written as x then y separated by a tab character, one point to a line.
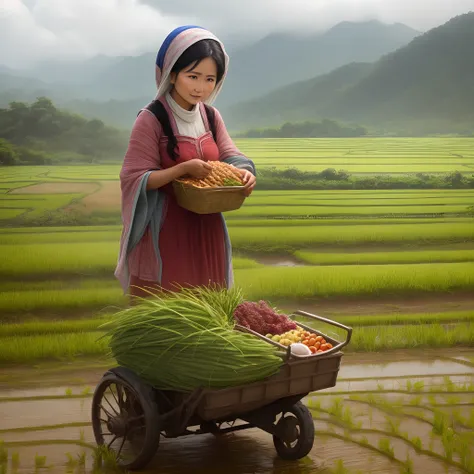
249	181
197	168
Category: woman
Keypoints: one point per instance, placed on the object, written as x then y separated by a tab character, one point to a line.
163	245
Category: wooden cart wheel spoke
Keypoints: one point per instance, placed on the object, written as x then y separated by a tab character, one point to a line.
109	415
112	442
120	395
110	405
121	447
113	394
126	421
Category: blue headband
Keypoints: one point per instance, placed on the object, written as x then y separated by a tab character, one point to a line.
160	58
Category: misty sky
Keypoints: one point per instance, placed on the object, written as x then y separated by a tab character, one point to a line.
34	30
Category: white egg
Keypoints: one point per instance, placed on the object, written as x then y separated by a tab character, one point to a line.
300	349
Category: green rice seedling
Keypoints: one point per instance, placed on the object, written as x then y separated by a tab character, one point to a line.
68	392
339	211
380	258
432	440
82	435
409	385
86	391
386	447
314	403
81	459
440	423
38	327
61	346
104	458
407	467
432	400
347	418
380	387
418	386
463	447
372	399
376	280
71	462
3	453
336	408
449	385
40	461
15	460
289	238
71	258
393	425
453	400
470	420
339	467
403	319
416	401
364	441
417	443
61	299
373	339
449	439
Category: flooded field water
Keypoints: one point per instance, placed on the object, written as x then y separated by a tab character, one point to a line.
389	413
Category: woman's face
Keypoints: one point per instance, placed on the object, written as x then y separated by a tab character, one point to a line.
194	84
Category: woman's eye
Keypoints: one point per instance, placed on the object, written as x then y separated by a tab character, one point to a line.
193	77
210	79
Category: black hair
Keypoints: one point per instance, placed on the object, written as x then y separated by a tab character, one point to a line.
198	51
159	111
191	57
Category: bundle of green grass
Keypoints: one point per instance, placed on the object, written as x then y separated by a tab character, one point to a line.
187	340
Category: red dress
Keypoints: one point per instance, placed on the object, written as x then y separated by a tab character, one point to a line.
192	246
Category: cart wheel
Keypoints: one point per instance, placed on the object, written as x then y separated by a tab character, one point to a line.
297	433
125	418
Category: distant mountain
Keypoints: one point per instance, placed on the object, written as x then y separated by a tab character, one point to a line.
66	72
278	60
14	87
430	79
255	69
298	101
128	78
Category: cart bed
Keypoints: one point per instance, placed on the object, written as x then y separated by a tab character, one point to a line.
296	377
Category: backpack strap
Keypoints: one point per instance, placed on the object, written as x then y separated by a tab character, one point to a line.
211	118
158	110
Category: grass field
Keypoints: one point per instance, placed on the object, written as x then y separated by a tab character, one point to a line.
421	256
360	245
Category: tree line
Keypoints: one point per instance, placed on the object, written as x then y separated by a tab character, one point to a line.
39	134
309	129
293	178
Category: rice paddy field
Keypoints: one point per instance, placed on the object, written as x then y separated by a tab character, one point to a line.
397	266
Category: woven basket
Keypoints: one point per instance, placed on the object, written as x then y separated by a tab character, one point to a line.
208	200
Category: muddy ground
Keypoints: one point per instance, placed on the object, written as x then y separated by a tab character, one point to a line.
369	422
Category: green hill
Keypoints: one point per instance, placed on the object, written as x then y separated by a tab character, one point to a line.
428	84
281	59
40	133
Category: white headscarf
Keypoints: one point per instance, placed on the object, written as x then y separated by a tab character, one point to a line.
173	47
